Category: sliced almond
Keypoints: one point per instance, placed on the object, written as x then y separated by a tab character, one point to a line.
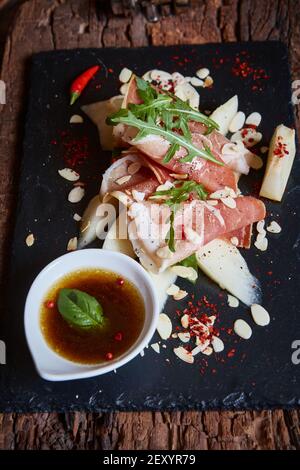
123	180
30	239
184	337
264	149
254	119
138	195
212	319
134	168
260	226
236	137
125	75
185	272
256	162
229	202
201	346
208	351
274	227
242	329
221	193
208	82
237	122
178	176
184	355
76	119
72	244
124	89
164	326
173	289
212	202
196	81
185	321
217	344
252	138
164	187
155	347
261	235
234	241
178	78
160	75
260	315
77	217
180	295
232	301
202	73
69	174
261	244
76	194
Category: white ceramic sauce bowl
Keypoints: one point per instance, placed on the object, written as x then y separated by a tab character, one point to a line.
49	364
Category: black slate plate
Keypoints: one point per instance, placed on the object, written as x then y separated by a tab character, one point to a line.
261	373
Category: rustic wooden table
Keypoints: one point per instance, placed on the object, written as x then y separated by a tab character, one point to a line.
58	24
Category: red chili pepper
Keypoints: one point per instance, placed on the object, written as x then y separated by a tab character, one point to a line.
81	82
109	356
50	304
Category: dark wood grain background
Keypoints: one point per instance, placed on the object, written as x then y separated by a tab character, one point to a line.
35	25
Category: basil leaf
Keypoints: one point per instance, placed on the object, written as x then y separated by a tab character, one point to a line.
79	308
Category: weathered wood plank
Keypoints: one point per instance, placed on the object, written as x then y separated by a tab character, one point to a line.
52	24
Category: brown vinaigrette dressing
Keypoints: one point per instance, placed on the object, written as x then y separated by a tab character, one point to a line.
122	305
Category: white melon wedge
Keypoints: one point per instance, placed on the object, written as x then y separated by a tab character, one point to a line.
281	156
117	238
224	264
224	114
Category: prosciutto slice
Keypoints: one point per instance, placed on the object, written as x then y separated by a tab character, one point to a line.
196	223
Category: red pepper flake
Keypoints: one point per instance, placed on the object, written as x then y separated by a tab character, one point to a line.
110	70
50	304
118	336
231	353
54	142
109	356
269	273
120	281
75	151
280	148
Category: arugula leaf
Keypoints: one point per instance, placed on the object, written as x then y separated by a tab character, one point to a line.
79	308
161	114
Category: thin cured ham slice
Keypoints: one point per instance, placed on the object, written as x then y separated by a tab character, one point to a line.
242	235
133	171
196	223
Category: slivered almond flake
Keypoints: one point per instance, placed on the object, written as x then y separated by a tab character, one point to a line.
125	75
196	81
236	137
184	355
178	176
201	346
256	162
164	252
76	119
261	235
217	344
180	295
185	321
212	319
72	244
261	244
212	202
173	289
260	315
242	329
202	73
76	194
163	187
237	122
30	239
69	174
208	82
234	241
274	227
229	202
138	195
77	217
185	272
260	226
164	326
264	149
221	193
124	88
254	119
155	347
123	180
232	301
208	351
134	168
184	337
